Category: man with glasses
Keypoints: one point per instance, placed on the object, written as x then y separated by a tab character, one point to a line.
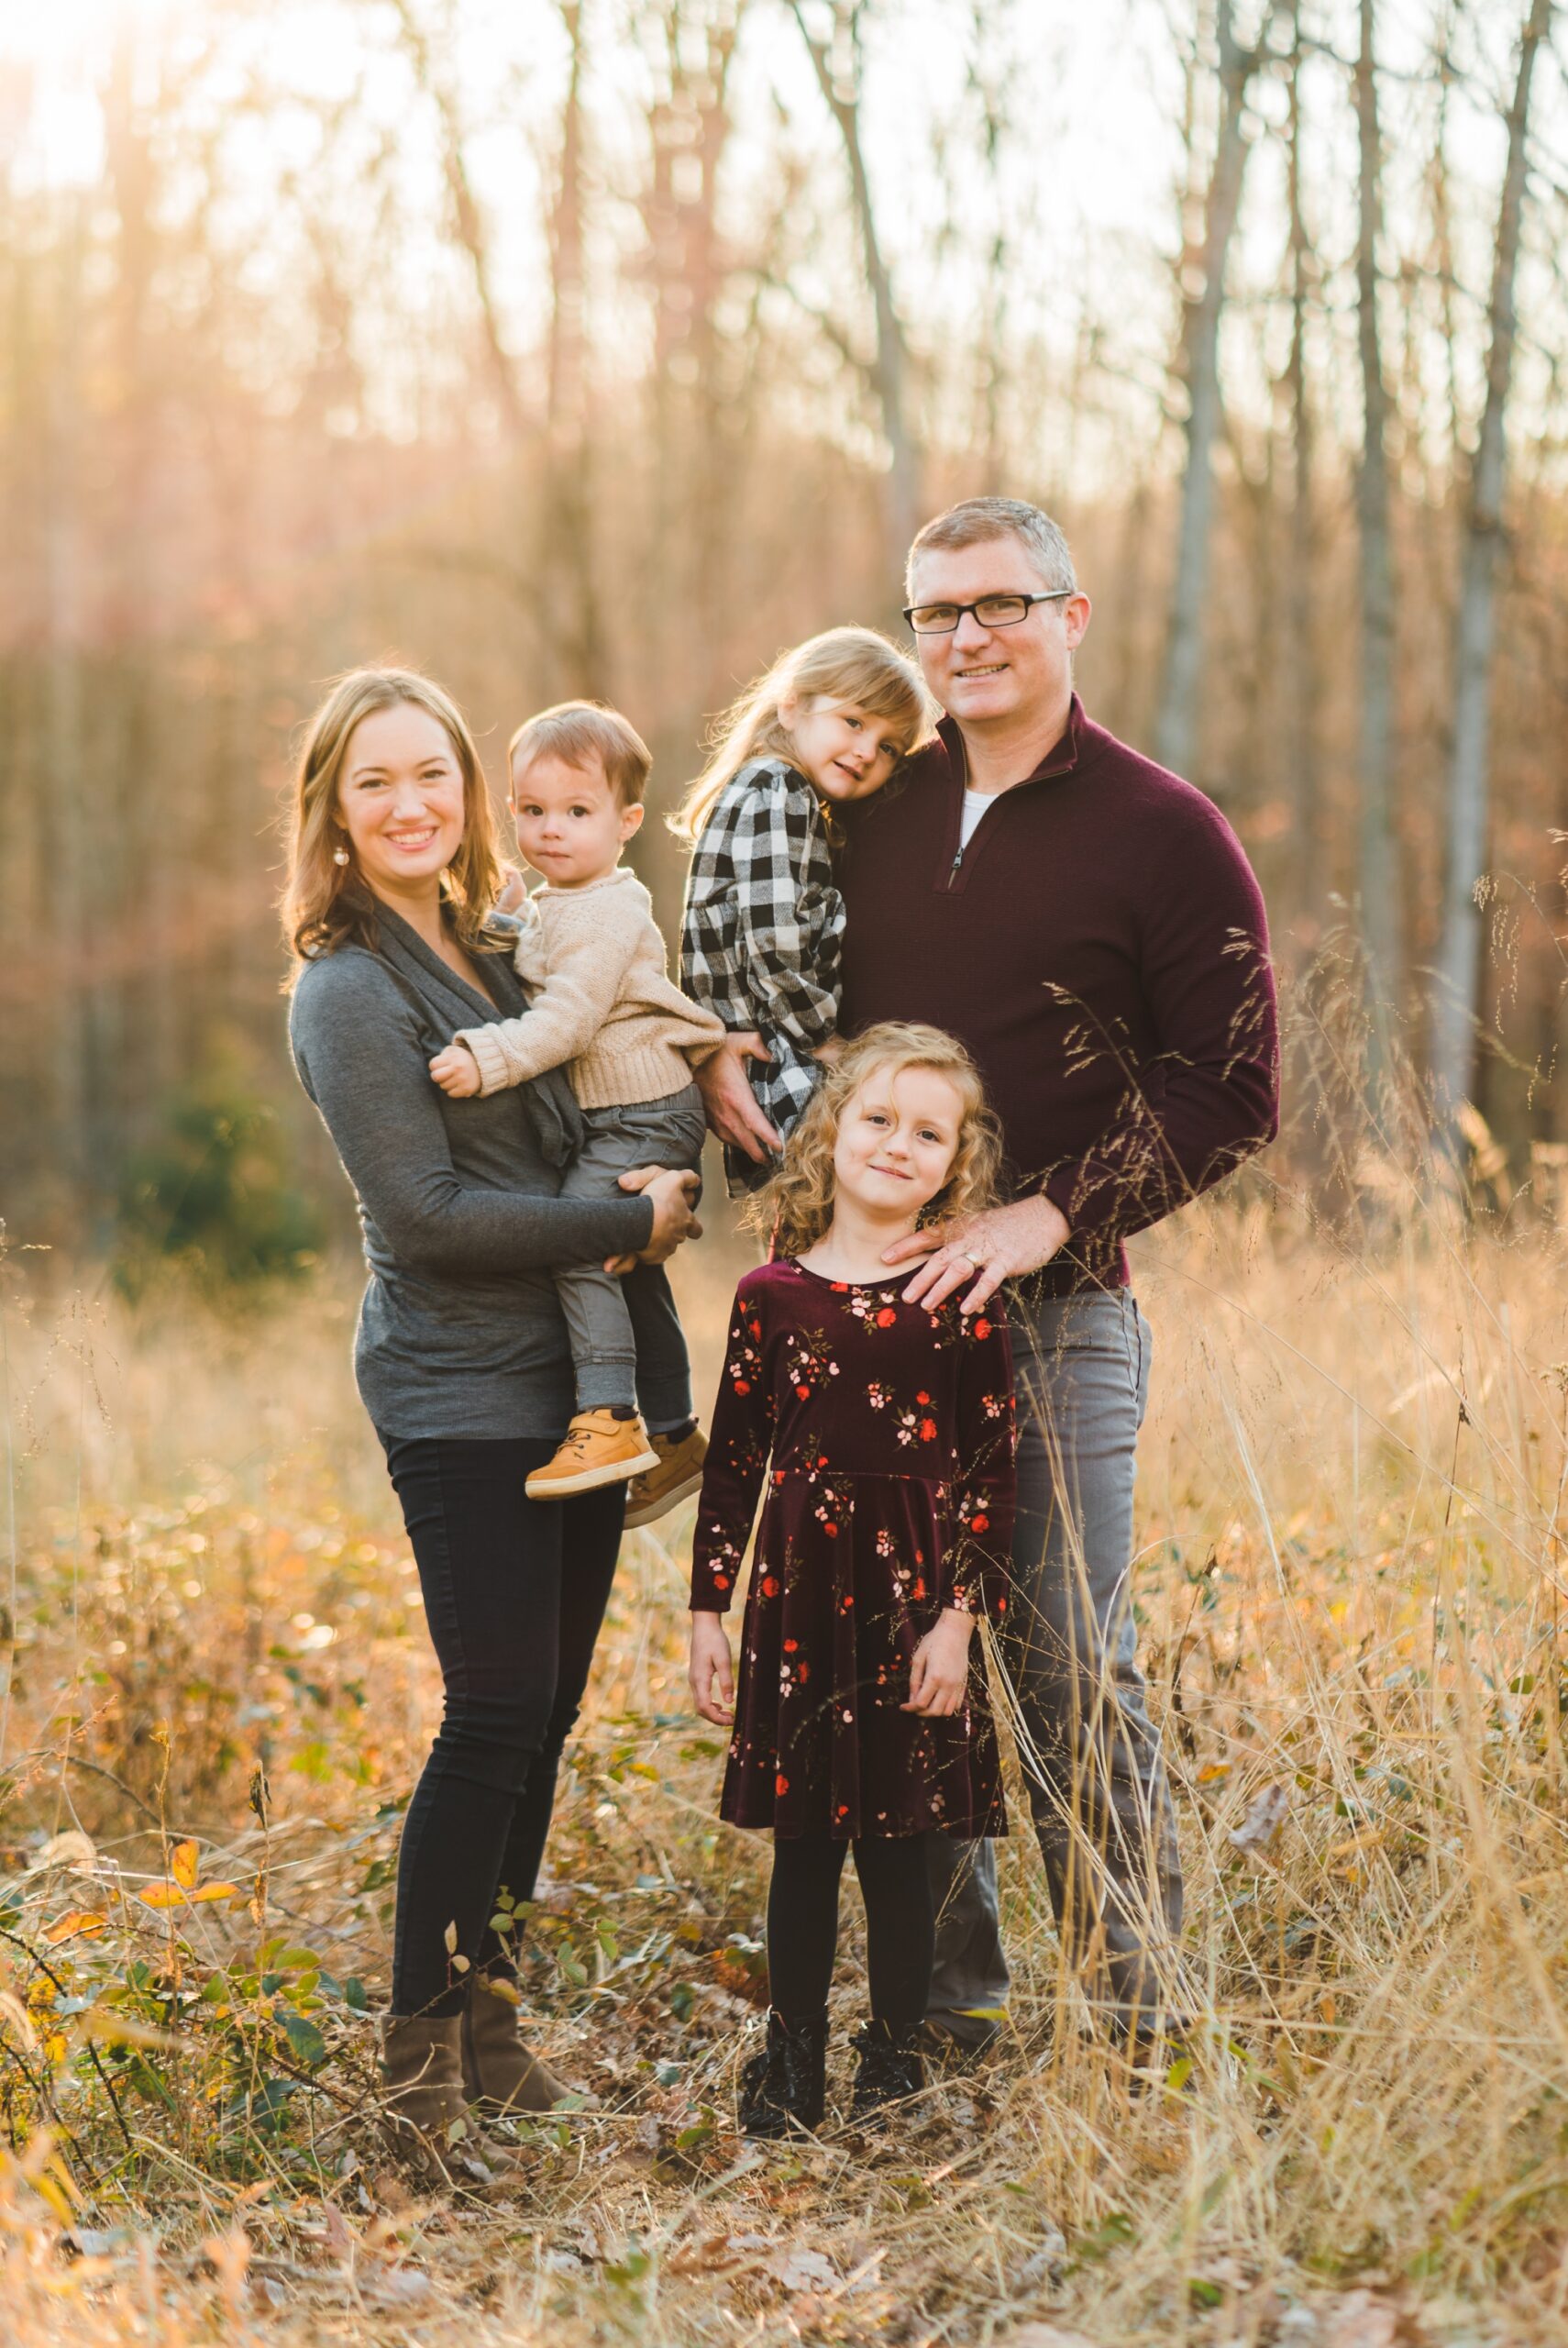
1088	926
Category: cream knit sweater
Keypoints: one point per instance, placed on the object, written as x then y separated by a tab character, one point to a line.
603	1002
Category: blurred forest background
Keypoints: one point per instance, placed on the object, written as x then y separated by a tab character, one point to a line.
605	346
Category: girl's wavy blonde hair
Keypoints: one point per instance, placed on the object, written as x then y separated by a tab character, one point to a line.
795	1208
844	664
326	905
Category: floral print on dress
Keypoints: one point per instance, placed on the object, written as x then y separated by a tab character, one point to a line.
879	1437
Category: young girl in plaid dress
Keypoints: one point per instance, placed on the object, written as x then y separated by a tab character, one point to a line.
829	722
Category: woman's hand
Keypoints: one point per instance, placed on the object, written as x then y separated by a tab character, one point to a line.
986	1250
456	1070
939	1676
730	1102
712	1681
673	1221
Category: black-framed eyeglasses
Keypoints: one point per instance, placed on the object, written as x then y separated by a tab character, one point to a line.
991	611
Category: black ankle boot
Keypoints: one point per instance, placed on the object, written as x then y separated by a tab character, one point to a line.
890	2069
787	2085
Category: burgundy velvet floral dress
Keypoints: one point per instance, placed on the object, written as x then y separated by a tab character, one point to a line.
885	1433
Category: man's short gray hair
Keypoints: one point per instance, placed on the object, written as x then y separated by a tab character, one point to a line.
978	519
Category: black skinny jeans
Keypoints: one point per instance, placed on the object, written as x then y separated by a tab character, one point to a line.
802	1925
514	1593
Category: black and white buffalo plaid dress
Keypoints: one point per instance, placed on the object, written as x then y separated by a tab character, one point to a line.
761	936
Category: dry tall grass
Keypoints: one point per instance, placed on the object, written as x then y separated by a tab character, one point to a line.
1350	1582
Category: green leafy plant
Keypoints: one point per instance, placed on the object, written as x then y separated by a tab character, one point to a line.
210	1198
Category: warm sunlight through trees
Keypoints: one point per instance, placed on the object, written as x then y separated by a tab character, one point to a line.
605	348
606	345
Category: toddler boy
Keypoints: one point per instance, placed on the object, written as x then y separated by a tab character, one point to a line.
603	1005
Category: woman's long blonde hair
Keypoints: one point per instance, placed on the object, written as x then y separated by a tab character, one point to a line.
326	905
796	1207
844	664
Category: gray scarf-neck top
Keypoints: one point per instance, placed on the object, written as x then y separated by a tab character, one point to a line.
460	1332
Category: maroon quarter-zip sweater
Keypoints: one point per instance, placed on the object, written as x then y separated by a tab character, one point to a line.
1102	947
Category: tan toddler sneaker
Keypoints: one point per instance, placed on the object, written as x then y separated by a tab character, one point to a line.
679	1473
599	1449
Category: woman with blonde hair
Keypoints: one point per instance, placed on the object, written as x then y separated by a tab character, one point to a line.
461	1353
828	724
882	1432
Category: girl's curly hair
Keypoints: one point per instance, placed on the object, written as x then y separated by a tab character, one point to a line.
795	1208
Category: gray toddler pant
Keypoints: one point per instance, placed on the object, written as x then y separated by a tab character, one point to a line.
628	1345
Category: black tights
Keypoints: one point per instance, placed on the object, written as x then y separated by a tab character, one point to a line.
802	1925
514	1592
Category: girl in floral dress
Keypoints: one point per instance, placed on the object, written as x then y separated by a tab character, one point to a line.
883	1432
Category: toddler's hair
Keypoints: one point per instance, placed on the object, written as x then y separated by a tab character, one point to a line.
585	734
795	1208
843	664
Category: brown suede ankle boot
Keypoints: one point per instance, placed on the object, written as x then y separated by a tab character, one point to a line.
501	2073
422	2068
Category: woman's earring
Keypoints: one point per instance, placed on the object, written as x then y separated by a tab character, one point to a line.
339	855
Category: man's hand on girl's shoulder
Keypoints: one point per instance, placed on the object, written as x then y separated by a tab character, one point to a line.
978	1255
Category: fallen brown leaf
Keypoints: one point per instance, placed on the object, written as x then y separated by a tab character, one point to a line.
83	1924
1044	2335
1266	1816
1362	2319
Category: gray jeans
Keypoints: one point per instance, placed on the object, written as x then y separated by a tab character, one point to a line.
1091	1757
628	1345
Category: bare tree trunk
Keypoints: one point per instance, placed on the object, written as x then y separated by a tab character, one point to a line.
567	509
694	429
699	426
1175	728
74	1059
569	324
567	613
839	77
146	1053
466	222
564	606
1459	953
1382	921
1302	682
990	81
